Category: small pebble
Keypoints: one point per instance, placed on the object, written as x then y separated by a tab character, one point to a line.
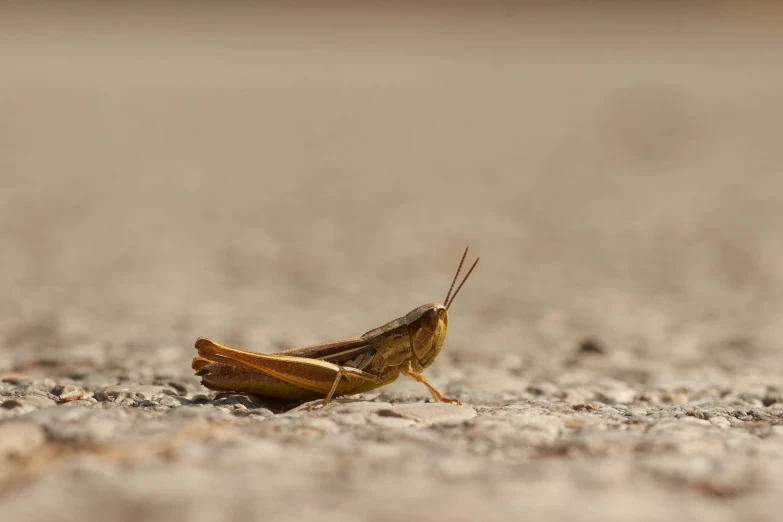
130	392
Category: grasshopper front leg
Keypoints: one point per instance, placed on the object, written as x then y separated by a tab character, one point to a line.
436	395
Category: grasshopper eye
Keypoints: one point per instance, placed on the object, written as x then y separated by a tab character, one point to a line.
429	320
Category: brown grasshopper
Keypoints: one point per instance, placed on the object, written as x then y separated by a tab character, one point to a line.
349	366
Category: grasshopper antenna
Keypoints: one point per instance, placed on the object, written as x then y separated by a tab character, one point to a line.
463	282
446	301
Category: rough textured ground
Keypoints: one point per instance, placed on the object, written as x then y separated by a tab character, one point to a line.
271	179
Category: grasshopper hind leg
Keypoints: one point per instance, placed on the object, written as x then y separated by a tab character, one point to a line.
224	377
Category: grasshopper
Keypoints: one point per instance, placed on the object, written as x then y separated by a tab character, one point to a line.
407	345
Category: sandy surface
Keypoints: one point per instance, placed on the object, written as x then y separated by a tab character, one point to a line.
276	178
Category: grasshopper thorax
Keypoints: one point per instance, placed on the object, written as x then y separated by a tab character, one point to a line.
427	327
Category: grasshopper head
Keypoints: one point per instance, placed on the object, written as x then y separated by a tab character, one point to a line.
428	323
427	327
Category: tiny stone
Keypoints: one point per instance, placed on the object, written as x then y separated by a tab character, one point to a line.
585	407
169	401
132	392
617	396
720	421
676	397
73	395
591	346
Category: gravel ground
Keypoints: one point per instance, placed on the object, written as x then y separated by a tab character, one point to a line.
273	179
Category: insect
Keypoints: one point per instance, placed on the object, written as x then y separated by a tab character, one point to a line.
407	345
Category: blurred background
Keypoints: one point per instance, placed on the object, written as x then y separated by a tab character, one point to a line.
281	173
275	173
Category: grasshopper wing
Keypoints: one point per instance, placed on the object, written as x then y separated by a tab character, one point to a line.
355	352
